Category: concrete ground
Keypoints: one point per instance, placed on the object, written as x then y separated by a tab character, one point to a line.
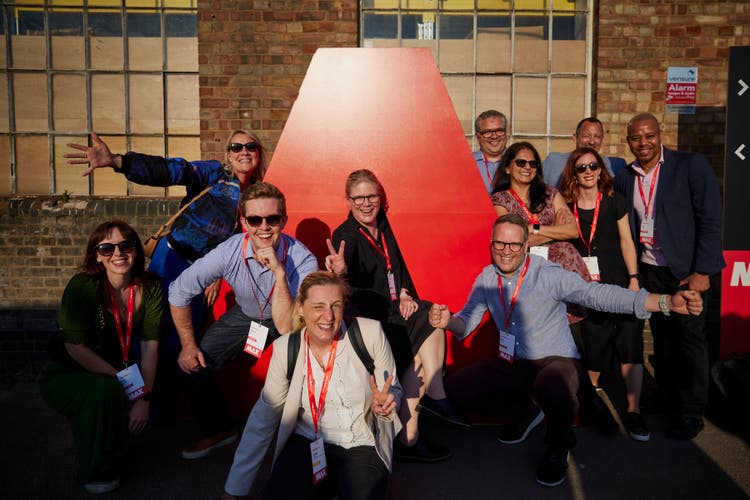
38	462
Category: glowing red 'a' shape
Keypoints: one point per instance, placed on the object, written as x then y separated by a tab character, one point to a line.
388	110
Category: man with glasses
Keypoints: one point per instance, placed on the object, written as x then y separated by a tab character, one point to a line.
589	134
491	129
525	295
264	268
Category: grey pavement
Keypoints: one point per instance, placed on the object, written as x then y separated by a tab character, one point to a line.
38	462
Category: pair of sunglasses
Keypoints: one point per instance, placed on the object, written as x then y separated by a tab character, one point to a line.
236	147
521	163
108	249
257	220
593	166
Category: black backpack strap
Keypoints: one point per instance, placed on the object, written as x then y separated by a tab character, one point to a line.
292	353
358	343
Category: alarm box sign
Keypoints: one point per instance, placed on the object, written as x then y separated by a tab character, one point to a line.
682	86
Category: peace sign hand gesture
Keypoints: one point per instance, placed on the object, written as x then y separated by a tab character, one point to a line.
335	260
383	402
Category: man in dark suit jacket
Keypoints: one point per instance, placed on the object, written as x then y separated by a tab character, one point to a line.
676	220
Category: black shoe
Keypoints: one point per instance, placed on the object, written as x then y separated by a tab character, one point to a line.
636	427
443	409
517	432
554	467
605	422
685	428
422	451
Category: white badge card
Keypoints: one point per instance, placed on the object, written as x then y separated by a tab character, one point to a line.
592	264
392	286
256	339
647	231
507	346
318	452
541	251
132	381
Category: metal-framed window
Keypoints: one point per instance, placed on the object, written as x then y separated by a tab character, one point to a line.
126	69
530	59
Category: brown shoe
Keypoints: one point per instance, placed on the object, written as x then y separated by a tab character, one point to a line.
204	446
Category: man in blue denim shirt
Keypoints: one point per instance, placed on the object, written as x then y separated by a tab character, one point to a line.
264	268
526	295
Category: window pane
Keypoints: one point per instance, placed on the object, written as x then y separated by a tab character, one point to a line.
530	105
106	53
28	52
460	91
493	92
32	164
68	177
145	53
569	47
106	181
567	104
105	24
182	54
182	25
65	23
69	102
30	96
68	52
379	26
144	24
531	44
183	108
456	43
493	43
108	103
146	104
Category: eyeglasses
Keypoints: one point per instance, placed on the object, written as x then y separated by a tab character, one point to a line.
521	163
236	147
256	220
489	133
593	166
500	245
360	200
108	249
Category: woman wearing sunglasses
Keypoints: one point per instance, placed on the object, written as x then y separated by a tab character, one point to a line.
212	197
365	250
105	358
605	241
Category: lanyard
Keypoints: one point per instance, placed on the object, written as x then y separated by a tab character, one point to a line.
654	179
384	251
509	310
317	410
124	337
250	275
532	218
487	169
593	222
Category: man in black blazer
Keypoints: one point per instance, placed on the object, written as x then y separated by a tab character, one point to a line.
676	220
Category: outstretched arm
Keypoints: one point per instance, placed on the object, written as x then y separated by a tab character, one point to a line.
97	155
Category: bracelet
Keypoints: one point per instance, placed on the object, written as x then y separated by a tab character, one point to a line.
631	276
663	305
536	227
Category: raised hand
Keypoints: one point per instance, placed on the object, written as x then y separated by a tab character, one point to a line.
335	262
383	402
97	156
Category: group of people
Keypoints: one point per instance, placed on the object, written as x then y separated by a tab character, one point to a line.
357	354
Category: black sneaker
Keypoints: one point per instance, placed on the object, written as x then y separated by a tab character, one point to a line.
685	428
636	427
443	409
517	432
554	468
421	451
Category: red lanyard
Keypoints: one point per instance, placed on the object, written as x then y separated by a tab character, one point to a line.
124	337
383	252
509	310
250	275
317	410
487	168
532	218
593	222
654	179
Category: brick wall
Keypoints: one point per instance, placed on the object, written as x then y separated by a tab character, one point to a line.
638	41
253	56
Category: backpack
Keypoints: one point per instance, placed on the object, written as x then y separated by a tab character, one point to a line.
355	337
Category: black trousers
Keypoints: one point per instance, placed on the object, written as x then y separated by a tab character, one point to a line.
353	473
680	348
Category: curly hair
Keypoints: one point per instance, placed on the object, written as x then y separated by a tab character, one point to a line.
569	180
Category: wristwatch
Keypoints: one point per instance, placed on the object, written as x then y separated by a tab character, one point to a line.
663	305
536	226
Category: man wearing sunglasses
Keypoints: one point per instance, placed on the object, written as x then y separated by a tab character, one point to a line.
526	295
675	217
264	267
491	130
589	134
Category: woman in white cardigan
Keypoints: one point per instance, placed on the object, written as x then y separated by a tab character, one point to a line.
340	440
